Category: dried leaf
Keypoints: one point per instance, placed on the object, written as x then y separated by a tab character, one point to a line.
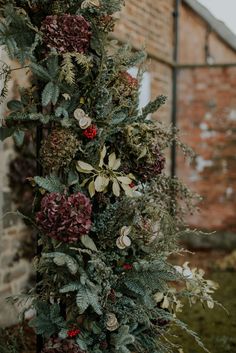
91	188
111	160
165	304
125	230
143	153
101	183
88	243
158	297
84	182
128	191
102	156
84	167
124	180
116	188
210	304
117	164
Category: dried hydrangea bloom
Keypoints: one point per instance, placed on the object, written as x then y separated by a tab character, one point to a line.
147	171
126	86
66	33
58	149
65	218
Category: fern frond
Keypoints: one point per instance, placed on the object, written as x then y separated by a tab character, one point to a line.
51	183
67	73
83	61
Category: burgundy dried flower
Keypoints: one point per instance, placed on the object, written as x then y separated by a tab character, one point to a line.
65	218
125	86
150	170
66	33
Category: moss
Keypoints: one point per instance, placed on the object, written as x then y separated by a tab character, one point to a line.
216	328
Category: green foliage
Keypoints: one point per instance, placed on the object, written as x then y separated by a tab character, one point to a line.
50	94
122	339
153	106
87	295
19	136
51	91
61	259
5	133
16	33
51	183
48	320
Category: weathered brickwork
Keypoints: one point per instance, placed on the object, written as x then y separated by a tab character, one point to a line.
207	119
207	116
149	24
195	35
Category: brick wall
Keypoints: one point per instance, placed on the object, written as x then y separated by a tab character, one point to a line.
194	35
149	24
207	117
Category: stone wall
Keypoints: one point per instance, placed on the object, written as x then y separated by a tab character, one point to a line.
14	273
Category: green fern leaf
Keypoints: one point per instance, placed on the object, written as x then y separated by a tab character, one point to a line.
82	300
50	183
72	287
40	72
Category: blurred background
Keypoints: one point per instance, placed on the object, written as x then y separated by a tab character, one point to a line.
191	48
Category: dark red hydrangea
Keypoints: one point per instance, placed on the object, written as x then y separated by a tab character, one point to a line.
65	218
66	33
90	132
149	171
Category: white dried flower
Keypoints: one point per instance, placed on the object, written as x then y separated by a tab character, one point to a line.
112	322
125	230
124	241
82	118
66	96
90	3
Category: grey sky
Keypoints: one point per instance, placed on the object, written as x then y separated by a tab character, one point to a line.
224	10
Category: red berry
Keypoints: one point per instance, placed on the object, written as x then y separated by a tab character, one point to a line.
127	267
73	333
90	132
